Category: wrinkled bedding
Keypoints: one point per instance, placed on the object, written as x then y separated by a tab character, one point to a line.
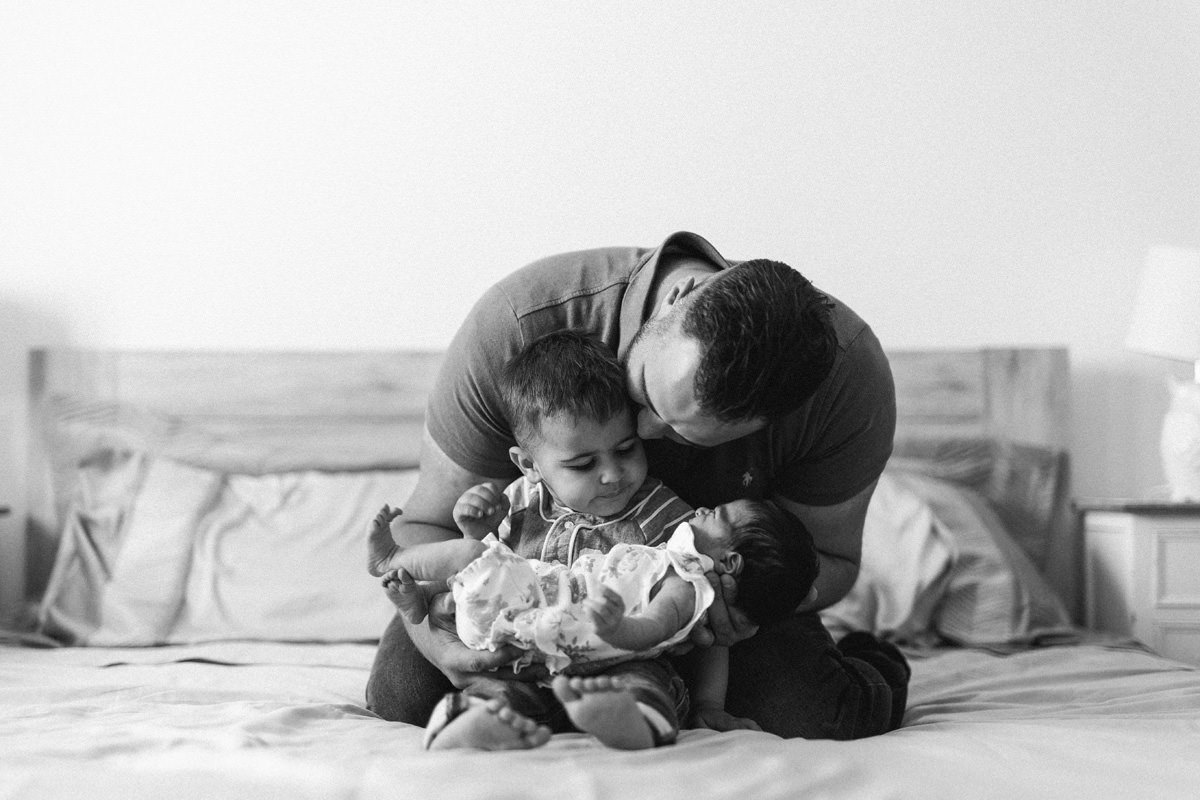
260	719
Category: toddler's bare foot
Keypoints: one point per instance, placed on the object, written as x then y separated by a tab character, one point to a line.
483	725
602	706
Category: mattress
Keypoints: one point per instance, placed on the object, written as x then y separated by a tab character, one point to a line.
271	719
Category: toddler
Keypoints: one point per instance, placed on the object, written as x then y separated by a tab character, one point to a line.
583	563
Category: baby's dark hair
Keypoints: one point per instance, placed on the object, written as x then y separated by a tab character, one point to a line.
779	563
564	372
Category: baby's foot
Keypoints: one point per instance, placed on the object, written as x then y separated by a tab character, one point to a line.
381	547
405	594
483	725
602	706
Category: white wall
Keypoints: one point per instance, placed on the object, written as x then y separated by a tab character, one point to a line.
352	174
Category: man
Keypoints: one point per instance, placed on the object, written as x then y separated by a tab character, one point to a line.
751	384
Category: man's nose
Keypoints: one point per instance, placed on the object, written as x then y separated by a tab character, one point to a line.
650	425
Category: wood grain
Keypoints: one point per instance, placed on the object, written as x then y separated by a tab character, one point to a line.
995	419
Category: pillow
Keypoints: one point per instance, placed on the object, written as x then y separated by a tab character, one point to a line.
995	595
100	582
938	564
907	556
155	551
1024	484
285	557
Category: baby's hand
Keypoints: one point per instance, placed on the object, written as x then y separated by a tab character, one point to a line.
606	608
480	510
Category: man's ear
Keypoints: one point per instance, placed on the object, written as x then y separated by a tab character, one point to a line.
679	290
525	463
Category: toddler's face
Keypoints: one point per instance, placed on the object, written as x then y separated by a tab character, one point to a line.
590	466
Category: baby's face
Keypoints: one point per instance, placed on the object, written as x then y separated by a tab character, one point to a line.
714	527
593	467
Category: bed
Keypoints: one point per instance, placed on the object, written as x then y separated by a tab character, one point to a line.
202	623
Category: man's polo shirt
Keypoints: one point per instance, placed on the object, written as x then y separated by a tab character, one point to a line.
824	453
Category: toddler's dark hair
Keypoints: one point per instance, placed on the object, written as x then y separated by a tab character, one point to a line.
564	372
779	563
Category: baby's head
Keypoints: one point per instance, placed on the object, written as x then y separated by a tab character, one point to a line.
566	402
768	551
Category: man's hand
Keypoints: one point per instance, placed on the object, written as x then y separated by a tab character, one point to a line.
439	643
480	510
723	623
718	719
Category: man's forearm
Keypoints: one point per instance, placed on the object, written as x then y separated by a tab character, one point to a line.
834	582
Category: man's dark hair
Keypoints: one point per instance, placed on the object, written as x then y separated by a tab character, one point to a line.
779	563
563	372
767	341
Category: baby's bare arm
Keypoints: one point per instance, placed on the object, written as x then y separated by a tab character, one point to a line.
666	613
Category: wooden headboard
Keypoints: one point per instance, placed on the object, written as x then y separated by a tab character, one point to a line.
995	419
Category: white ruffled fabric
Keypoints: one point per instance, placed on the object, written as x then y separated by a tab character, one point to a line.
503	598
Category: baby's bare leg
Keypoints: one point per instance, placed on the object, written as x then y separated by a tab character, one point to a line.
602	706
423	570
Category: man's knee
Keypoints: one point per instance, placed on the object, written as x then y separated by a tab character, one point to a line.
794	682
403	686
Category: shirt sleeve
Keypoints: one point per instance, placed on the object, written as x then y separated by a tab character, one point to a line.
843	443
465	416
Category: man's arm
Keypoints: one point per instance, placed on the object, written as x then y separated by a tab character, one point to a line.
837	532
429	512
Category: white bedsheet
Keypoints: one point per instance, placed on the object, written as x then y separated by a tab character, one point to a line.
268	720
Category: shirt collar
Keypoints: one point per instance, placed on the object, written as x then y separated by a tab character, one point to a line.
635	304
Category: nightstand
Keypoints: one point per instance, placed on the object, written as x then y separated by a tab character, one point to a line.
1141	573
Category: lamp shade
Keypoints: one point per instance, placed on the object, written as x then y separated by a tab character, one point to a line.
1166	313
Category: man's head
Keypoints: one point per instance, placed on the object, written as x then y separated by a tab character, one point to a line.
768	551
565	399
725	356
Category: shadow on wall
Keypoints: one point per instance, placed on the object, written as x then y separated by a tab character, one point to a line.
21	328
